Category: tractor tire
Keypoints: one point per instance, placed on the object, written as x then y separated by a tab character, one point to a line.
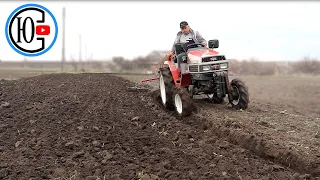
214	99
240	94
182	102
166	86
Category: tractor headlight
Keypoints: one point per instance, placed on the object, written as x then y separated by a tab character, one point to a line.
205	68
224	66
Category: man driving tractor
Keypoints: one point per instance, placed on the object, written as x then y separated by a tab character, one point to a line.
192	68
184	35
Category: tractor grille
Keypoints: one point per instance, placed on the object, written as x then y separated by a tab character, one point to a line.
213	58
194	68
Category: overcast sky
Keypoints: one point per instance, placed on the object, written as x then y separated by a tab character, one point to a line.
265	30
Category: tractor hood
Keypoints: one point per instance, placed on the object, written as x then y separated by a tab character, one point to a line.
196	56
203	52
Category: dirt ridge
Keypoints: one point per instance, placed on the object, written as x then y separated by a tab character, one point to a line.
260	146
263	148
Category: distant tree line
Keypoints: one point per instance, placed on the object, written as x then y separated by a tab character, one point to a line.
252	66
307	65
120	63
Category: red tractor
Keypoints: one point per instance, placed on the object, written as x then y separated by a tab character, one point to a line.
196	70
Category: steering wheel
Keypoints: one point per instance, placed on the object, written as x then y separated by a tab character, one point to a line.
194	44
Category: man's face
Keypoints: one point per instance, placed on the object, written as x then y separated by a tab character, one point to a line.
185	30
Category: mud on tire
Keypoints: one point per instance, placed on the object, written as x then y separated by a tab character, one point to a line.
168	83
240	94
185	107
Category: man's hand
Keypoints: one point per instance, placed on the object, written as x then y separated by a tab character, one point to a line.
169	56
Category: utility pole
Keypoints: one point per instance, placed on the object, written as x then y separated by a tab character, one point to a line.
63	38
80	51
85	52
85	56
25	62
91	60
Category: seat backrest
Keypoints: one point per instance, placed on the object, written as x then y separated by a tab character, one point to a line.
179	48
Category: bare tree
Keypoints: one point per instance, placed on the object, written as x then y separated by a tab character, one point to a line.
307	66
74	64
119	62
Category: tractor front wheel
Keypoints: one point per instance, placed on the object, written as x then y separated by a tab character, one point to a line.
240	94
166	85
182	102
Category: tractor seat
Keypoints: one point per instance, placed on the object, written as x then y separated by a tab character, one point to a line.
179	49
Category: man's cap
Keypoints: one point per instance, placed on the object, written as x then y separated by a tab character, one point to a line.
183	24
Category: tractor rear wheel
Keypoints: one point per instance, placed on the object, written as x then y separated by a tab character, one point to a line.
182	102
240	94
166	85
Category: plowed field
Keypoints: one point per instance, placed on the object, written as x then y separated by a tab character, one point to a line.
91	126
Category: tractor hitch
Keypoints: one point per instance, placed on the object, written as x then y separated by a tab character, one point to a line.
151	79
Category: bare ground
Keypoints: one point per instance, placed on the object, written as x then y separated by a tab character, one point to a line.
89	126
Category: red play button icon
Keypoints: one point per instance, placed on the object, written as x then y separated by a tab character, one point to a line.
42	30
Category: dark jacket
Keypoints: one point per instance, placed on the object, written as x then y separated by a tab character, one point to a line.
196	36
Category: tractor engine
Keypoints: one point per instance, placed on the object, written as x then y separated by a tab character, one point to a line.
208	74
